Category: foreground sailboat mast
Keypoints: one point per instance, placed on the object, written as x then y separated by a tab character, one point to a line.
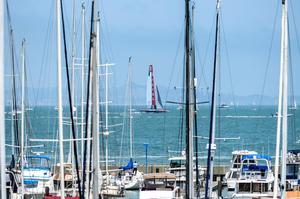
194	86
98	51
211	144
95	119
282	106
95	107
189	189
130	106
82	76
2	117
22	158
59	99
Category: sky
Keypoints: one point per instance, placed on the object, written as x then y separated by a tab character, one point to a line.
151	31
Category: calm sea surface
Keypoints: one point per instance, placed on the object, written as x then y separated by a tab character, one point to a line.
253	128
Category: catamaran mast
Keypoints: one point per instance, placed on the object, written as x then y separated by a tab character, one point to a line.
2	116
211	144
22	154
282	106
59	99
153	93
189	109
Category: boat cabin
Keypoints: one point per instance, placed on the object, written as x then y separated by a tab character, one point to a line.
293	169
237	157
159	185
37	174
255	175
37	162
159	181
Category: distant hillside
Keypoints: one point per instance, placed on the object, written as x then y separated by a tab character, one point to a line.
48	96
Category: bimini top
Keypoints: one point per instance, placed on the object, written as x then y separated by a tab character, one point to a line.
39	156
266	157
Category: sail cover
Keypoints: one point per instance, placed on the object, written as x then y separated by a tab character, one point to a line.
158	97
128	166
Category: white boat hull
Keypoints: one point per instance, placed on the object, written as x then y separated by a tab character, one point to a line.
157	194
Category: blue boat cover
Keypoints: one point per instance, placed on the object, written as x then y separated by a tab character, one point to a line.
31	182
128	166
266	157
263	168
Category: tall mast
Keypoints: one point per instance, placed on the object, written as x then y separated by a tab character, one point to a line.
22	119
82	76
98	50
73	52
95	101
195	99
189	109
211	144
71	154
2	116
12	112
284	98
282	106
106	131
130	105
59	99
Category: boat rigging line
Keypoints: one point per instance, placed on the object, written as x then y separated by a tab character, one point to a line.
70	101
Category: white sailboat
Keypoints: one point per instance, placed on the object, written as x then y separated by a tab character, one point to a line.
132	178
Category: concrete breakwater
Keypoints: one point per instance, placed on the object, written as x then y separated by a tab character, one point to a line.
219	171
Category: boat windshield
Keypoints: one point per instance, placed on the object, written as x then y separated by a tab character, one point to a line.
236	161
155	184
37	162
292	171
255	165
177	163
